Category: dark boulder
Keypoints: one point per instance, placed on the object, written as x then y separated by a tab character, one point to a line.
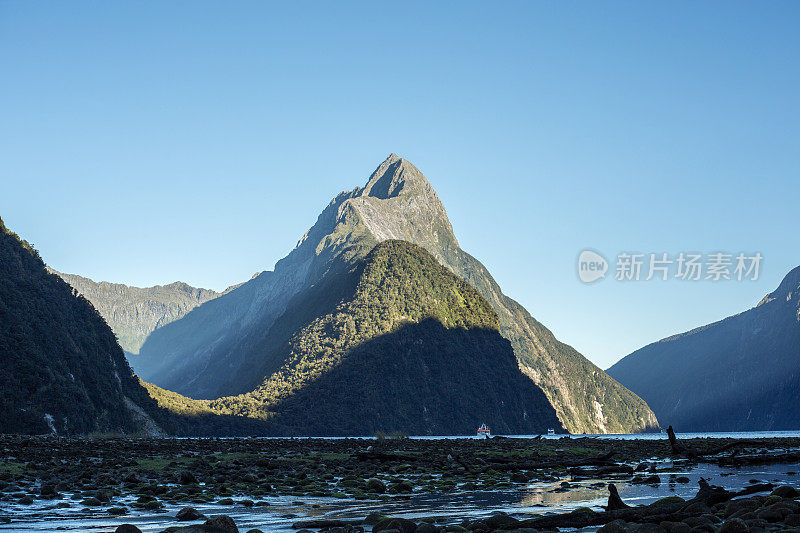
127	528
786	491
223	523
187	478
189	513
403	525
376	485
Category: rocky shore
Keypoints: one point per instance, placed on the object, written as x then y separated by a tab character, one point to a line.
124	478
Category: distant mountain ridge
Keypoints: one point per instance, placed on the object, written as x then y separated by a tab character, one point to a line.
133	312
209	352
739	374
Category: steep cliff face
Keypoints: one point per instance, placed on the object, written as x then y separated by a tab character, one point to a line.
741	373
216	339
133	312
61	369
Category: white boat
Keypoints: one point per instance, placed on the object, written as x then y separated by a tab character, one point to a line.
551	431
484	431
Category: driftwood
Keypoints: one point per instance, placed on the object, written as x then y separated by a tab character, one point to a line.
614	500
602	471
755	489
503	464
654	513
677	447
681	449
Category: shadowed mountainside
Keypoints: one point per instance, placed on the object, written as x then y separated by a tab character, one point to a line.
739	374
409	346
61	369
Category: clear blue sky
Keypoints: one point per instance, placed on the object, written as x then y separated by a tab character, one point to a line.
147	142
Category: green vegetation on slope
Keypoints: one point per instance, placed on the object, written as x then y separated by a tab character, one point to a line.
400	283
227	346
586	399
61	369
412	348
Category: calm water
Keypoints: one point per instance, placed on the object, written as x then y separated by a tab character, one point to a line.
624	436
654	436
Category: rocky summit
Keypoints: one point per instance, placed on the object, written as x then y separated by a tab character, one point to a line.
208	353
739	374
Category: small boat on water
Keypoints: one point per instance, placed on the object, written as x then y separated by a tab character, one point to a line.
551	431
484	431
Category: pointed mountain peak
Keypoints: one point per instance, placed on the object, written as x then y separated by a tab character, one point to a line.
393	177
398	202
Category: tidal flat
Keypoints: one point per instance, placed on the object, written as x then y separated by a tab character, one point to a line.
398	485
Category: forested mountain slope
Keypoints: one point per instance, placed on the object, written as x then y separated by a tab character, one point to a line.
205	353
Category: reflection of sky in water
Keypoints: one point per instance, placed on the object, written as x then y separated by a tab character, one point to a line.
282	511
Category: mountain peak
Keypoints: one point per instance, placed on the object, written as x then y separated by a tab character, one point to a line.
398	202
395	176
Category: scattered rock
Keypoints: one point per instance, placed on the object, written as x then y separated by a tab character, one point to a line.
189	513
501	521
401	487
771	515
786	491
426	527
223	523
373	518
127	528
187	478
617	526
734	525
403	525
646	480
375	485
47	490
519	477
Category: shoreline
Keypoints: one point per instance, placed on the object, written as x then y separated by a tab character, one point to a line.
75	482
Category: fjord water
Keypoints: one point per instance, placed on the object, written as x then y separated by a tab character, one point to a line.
278	513
611	436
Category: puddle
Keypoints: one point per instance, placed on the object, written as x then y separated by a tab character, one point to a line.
521	501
